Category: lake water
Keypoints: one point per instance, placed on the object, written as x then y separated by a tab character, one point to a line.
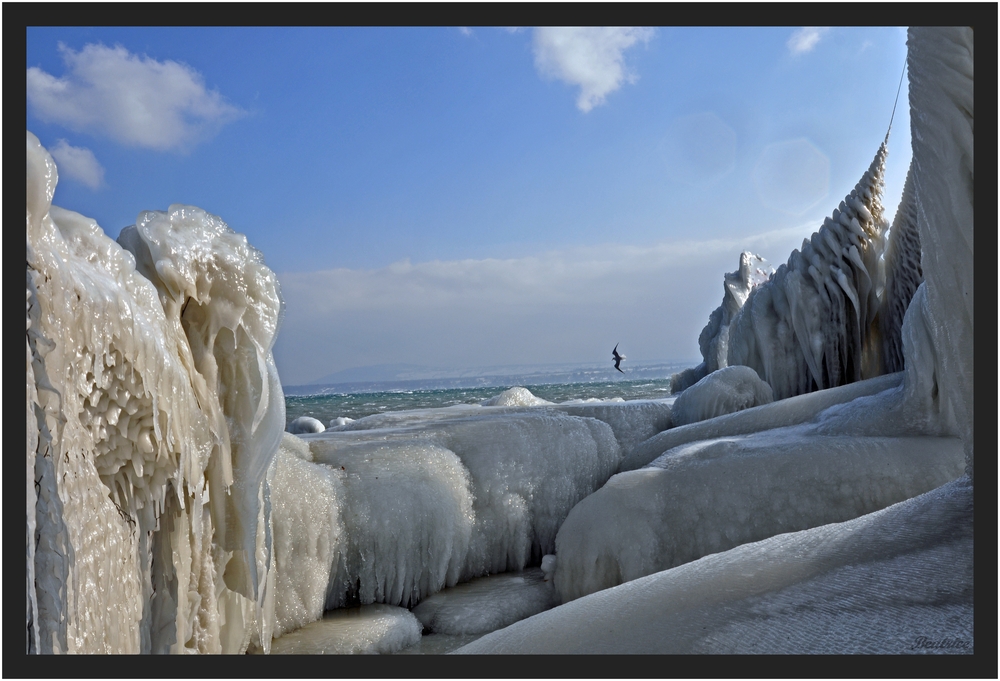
357	405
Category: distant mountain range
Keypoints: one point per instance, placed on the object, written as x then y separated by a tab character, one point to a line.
383	377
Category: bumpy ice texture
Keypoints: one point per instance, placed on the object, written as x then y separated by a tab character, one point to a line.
435	497
135	447
309	534
723	391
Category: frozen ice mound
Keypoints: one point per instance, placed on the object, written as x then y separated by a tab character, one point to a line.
631	421
873	585
724	391
305	424
376	629
710	496
309	533
486	604
456	495
514	397
787	412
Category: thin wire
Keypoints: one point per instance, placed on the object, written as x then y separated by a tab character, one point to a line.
898	89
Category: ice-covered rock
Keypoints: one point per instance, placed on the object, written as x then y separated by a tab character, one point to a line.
446	495
486	604
710	496
631	421
724	391
339	421
305	424
514	397
787	412
375	629
897	581
309	534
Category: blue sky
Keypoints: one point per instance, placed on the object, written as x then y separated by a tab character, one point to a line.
477	196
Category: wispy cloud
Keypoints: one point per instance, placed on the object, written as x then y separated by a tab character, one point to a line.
561	306
133	99
806	38
465	30
590	57
78	163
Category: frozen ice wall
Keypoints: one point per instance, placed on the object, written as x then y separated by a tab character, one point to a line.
434	497
714	339
139	439
309	534
812	325
902	277
940	64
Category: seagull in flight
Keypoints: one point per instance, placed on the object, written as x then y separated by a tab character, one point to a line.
618	358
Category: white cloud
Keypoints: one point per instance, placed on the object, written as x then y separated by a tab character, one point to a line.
553	307
591	57
135	100
806	38
78	163
465	30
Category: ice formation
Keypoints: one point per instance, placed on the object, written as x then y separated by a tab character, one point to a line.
376	629
787	412
514	397
902	277
435	497
714	338
486	604
309	534
723	391
167	511
813	324
632	422
713	495
877	585
148	453
874	584
305	424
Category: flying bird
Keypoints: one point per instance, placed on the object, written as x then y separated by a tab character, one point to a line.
618	358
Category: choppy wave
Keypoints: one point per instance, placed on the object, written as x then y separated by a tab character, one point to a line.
357	405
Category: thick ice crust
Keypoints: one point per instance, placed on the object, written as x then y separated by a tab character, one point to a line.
724	391
877	584
713	495
791	411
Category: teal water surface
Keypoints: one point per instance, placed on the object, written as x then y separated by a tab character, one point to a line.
357	405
